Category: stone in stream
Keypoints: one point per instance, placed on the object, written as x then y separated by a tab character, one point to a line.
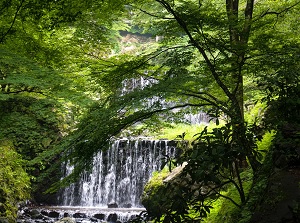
112	205
93	219
99	216
53	214
79	215
31	212
44	212
112	217
66	215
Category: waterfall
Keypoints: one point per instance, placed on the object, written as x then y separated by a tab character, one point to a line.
119	174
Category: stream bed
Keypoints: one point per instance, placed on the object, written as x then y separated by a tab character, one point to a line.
50	214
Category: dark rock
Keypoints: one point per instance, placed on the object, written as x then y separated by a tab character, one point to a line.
45	213
53	214
92	219
37	216
99	216
32	212
79	215
112	217
66	215
112	205
133	217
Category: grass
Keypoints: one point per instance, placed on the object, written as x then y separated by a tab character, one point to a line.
178	129
223	209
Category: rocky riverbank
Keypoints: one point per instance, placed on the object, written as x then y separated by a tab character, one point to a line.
77	214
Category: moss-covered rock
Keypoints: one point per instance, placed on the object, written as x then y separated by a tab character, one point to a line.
161	190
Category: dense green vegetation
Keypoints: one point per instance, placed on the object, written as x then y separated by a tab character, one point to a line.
15	182
64	65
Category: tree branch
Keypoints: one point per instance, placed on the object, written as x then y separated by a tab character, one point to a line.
183	25
276	13
214	102
156	16
24	90
13	22
228	198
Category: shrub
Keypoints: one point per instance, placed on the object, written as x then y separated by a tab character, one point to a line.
15	182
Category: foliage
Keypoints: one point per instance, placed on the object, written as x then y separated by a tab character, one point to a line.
213	166
207	56
44	80
283	109
61	63
15	182
209	185
224	210
214	56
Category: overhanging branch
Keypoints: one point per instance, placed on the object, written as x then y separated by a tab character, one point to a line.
194	42
268	12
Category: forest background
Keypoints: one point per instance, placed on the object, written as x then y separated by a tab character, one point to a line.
63	64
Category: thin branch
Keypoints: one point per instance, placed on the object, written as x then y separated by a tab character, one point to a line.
13	22
209	95
156	16
228	198
156	54
267	12
183	25
212	103
206	41
25	90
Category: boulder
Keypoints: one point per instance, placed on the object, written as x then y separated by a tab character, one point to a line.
31	212
66	215
112	205
53	214
112	218
99	216
162	188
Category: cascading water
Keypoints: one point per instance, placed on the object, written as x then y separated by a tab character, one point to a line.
119	174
